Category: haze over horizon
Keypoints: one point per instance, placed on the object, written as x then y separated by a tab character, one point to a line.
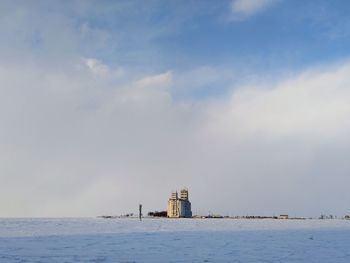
108	104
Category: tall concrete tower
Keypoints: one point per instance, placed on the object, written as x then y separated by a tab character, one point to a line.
173	207
179	207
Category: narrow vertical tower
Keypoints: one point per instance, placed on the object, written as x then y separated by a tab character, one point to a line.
184	204
140	212
173	208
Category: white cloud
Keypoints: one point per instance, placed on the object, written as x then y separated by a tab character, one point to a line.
204	77
264	145
315	103
148	91
96	66
250	7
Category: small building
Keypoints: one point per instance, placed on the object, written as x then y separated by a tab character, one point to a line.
179	206
283	217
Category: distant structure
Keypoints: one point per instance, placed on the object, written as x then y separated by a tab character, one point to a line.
140	212
179	206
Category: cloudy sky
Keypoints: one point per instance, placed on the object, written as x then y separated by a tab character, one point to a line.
108	104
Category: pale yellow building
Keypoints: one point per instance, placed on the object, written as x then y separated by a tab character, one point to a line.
173	208
179	207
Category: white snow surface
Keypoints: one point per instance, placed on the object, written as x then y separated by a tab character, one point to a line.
173	240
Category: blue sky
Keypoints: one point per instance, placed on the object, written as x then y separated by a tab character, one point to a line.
175	34
209	32
274	37
128	100
182	34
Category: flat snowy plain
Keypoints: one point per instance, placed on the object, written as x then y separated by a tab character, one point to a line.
179	240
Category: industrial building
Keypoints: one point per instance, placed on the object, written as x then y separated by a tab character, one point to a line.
179	206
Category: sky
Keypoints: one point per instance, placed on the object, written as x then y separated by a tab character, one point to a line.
108	104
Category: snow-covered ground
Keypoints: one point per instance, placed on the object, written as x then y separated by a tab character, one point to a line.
179	240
